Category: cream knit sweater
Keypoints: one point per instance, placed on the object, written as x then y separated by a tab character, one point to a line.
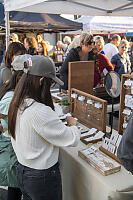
39	134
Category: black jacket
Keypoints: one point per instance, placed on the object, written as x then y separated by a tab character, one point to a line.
71	57
125	149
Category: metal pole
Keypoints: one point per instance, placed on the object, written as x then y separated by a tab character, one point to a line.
7	25
112	115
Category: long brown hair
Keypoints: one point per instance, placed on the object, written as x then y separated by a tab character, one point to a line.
28	86
11	83
15	48
44	46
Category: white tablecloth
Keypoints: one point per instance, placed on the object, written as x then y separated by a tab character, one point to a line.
83	182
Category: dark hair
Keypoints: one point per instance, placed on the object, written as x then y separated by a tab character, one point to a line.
15	48
115	37
28	86
11	83
31	42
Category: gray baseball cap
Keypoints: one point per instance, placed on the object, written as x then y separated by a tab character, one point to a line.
18	62
42	66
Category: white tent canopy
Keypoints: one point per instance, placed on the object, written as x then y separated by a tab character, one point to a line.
79	7
106	23
75	7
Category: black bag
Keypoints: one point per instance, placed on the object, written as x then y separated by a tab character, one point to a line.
125	149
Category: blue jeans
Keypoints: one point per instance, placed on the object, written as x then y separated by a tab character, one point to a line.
40	184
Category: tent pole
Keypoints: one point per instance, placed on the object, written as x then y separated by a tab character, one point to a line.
7	25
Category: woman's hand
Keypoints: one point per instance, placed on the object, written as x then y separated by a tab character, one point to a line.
71	121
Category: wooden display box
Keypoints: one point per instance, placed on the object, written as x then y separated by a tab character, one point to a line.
101	162
81	76
88	114
125	90
113	156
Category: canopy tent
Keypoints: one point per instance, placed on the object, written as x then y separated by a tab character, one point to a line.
43	22
25	22
106	23
79	7
84	7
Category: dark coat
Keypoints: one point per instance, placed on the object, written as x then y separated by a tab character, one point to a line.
71	57
125	149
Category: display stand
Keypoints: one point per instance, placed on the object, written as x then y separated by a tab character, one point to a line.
81	76
88	109
113	156
126	102
100	161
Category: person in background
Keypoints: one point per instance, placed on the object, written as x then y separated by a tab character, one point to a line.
99	43
30	44
37	132
60	46
74	44
110	49
14	49
102	66
42	48
12	38
77	54
67	42
8	159
121	60
39	38
130	52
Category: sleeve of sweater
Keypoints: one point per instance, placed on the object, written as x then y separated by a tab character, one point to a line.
47	124
107	64
70	58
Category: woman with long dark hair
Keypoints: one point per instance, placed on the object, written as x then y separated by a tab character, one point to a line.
37	133
8	159
14	49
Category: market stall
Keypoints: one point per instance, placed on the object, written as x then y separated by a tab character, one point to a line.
80	180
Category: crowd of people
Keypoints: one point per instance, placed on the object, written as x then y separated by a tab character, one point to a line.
31	132
29	164
107	57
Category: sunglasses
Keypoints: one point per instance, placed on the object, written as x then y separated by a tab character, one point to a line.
91	42
123	47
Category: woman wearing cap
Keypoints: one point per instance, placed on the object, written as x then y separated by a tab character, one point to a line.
8	160
37	133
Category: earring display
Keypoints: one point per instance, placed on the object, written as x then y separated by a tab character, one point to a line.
126	102
90	110
110	146
92	136
100	161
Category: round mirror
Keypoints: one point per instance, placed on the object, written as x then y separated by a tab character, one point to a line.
112	84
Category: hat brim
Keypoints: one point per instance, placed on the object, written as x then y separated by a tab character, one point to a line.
57	80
